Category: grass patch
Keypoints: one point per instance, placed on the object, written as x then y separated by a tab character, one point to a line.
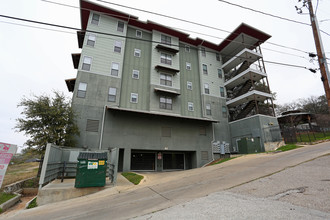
18	172
288	147
32	204
133	177
4	197
222	160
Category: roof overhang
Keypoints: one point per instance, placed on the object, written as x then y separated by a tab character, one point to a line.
75	59
115	108
86	7
70	83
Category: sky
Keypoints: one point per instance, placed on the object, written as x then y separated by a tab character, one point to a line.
37	61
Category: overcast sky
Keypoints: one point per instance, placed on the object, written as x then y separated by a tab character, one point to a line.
37	61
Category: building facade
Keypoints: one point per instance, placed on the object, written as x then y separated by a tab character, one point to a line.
165	100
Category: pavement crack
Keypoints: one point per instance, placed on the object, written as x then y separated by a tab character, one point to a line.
158	193
288	192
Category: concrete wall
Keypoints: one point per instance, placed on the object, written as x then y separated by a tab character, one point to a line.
144	132
265	127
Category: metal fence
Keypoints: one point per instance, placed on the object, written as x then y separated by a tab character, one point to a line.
295	135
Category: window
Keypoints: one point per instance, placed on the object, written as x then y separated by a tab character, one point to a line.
165	79
220	73
134	97
187	48
117	46
202	130
166	58
82	88
91	40
190	106
206	88
165	102
203	52
112	94
204	68
222	92
217	56
188	66
208	109
136	74
224	111
189	85
87	62
95	19
114	69
120	26
166	132
165	39
138	34
137	52
92	125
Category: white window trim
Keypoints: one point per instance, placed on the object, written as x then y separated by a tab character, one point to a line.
137	50
187	48
192	105
224	92
98	21
90	63
207	69
203	51
138	74
137	34
115	45
188	82
111	68
115	93
118	25
208	107
222	75
206	86
188	64
85	90
88	35
137	97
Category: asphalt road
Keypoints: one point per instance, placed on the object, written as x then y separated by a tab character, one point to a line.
174	189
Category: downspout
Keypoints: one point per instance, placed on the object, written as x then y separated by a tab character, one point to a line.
102	127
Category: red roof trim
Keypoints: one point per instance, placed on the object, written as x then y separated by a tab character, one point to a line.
149	25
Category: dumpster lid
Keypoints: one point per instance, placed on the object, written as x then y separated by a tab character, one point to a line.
93	155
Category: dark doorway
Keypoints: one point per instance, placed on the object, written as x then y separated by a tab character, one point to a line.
121	160
173	161
143	161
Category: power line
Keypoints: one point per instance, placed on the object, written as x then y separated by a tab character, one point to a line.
114	35
267	42
264	13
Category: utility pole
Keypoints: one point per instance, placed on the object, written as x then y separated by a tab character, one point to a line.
320	52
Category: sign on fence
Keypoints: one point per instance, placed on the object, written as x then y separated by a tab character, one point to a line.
6	153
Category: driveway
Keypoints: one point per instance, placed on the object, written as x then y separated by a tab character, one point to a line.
164	190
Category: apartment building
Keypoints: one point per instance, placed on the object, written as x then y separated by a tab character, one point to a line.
165	100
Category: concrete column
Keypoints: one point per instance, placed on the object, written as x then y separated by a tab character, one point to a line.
127	160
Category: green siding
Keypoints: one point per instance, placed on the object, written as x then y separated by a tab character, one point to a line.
140	86
193	76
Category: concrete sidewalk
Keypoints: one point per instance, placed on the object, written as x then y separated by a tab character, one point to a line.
58	191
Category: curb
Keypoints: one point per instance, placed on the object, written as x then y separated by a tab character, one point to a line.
11	202
28	203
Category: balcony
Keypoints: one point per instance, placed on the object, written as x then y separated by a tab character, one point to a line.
166	69
75	59
253	95
244	55
249	74
167	91
168	49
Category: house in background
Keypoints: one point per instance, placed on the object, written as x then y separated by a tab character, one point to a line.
165	100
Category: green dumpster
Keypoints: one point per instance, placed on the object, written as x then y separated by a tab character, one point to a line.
91	169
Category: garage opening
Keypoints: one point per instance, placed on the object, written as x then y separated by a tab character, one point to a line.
143	161
173	161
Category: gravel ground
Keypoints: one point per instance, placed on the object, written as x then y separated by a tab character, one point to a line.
300	192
